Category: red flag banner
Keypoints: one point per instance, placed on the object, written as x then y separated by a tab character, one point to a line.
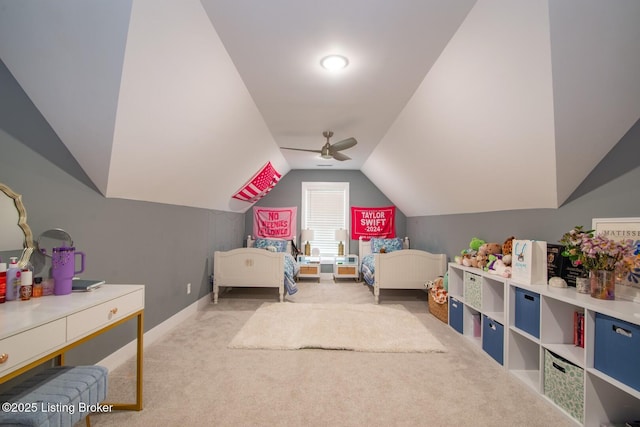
274	222
259	184
373	222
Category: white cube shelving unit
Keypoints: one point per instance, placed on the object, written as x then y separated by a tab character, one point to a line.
606	400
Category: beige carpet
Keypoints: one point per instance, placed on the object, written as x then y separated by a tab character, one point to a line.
192	378
356	327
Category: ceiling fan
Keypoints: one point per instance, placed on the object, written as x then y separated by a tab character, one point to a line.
331	151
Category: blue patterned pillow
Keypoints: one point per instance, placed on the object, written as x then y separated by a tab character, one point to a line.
280	245
389	245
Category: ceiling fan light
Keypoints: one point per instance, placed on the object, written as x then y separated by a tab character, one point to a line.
334	62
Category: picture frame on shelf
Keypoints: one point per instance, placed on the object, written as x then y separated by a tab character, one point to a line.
628	288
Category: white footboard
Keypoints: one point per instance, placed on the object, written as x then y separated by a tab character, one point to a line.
248	267
406	269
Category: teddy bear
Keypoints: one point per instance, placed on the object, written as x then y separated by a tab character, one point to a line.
484	251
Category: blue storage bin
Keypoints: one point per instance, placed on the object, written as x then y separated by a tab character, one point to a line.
455	314
617	349
493	338
528	312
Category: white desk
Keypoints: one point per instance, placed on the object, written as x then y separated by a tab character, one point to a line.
41	329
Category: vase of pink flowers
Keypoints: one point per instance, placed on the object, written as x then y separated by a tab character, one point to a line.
603	258
572	242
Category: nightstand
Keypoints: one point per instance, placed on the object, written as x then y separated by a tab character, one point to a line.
309	267
346	267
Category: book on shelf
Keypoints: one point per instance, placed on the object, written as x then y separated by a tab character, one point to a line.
578	328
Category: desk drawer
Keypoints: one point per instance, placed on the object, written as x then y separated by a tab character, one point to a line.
26	346
94	318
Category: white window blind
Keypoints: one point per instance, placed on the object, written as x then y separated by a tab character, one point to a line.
325	209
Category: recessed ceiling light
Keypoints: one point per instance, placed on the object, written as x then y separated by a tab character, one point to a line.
334	62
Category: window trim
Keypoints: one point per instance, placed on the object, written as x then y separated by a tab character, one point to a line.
318	185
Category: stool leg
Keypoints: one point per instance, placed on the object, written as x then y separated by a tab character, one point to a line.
88	421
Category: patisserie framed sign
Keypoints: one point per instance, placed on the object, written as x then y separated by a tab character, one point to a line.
627	287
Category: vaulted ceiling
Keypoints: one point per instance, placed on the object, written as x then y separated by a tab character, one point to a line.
181	101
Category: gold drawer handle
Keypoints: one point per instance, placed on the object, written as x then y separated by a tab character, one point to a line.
114	310
4	357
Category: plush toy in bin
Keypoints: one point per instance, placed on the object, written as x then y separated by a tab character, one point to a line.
438	299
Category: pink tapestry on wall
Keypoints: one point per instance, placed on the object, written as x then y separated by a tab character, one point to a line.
373	222
275	222
259	185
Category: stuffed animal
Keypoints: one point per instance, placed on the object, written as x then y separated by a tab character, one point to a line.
500	269
507	249
484	251
491	248
466	260
468	256
481	260
476	243
491	261
437	289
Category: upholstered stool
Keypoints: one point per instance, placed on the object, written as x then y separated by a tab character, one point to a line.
56	397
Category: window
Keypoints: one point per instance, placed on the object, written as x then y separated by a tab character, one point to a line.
325	209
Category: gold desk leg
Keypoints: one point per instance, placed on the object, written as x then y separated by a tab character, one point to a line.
139	357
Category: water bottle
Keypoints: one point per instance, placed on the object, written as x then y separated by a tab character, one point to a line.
13	279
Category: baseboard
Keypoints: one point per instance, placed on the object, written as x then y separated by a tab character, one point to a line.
123	354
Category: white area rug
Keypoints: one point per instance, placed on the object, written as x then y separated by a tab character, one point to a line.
358	327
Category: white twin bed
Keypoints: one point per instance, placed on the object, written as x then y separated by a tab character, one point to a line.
399	267
256	267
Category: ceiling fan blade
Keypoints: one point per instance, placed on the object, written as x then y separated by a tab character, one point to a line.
339	156
344	144
300	149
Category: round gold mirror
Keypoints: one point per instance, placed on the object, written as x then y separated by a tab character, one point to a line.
16	238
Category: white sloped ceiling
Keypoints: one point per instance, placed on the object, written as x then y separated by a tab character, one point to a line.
478	133
187	130
144	96
511	103
522	104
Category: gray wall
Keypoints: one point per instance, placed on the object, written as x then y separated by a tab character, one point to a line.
612	190
162	246
362	192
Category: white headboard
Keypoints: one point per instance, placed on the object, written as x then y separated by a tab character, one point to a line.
364	246
251	240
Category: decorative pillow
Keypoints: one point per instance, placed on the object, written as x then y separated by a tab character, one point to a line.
279	245
389	245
